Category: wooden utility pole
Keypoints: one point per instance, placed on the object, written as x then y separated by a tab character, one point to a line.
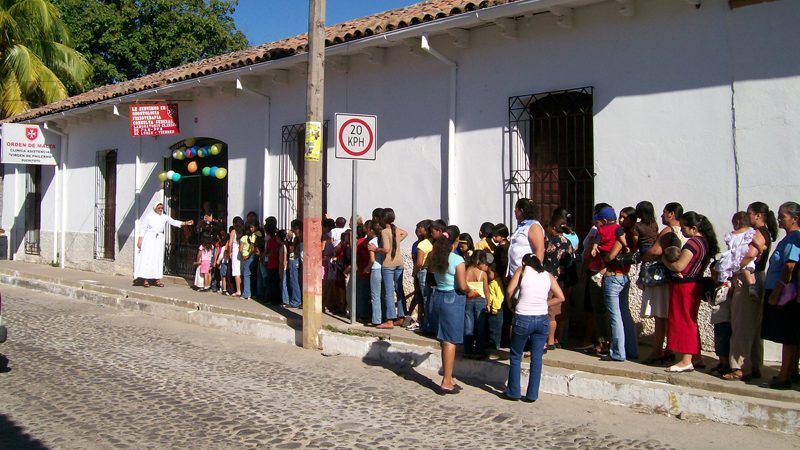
312	186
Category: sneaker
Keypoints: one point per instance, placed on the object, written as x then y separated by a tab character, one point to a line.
413	327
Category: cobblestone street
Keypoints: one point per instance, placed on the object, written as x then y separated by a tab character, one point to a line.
83	376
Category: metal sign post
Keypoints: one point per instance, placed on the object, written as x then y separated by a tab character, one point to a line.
356	138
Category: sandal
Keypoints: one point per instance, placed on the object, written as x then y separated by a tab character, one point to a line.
159	283
145	283
734	375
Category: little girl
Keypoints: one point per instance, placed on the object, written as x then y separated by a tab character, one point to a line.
465	245
223	262
738	242
475	320
205	254
494	304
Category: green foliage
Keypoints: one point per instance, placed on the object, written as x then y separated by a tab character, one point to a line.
126	39
35	57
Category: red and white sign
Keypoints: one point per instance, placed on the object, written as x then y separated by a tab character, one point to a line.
154	120
29	144
356	136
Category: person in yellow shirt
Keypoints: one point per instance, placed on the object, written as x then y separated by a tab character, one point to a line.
495	308
419	253
485	233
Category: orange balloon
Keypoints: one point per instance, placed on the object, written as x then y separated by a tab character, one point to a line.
192	167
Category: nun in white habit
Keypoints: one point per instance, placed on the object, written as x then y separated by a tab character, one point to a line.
149	265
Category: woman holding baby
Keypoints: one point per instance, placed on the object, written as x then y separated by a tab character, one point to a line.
685	288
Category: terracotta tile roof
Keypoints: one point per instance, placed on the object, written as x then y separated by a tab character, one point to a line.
363	27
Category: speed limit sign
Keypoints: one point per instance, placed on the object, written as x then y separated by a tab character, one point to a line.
356	136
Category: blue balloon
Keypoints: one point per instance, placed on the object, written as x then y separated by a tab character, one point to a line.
214	171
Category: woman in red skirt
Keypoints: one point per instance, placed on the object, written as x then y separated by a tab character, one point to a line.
685	288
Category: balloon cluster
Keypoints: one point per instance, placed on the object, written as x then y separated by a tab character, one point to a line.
169	175
200	152
191	151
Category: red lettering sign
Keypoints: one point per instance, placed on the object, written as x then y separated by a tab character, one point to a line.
154	120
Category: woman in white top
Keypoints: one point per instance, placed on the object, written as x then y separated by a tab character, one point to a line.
527	238
538	290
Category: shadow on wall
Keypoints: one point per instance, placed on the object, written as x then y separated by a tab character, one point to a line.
15	436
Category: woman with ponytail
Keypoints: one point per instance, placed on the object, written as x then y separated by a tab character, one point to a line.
392	270
449	302
685	288
781	311
747	350
538	291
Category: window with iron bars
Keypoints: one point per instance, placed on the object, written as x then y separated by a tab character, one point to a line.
33	209
290	178
551	153
105	204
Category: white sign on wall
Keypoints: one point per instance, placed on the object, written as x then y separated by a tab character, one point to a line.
356	136
28	144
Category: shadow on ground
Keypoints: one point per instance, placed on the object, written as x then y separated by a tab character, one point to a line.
14	436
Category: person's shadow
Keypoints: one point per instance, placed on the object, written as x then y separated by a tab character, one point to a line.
14	436
4	364
401	364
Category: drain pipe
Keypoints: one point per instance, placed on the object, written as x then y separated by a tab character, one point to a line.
451	127
268	122
59	222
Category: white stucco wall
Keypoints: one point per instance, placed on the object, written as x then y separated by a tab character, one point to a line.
665	81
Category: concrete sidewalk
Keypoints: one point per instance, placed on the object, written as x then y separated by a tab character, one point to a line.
566	372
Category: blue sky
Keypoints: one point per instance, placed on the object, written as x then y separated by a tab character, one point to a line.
270	20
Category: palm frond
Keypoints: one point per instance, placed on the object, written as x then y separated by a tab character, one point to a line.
12	102
65	61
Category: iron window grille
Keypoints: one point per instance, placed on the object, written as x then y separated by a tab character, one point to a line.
105	205
551	153
290	178
33	209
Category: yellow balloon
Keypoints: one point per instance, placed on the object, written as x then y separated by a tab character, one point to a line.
192	167
162	177
215	149
221	172
189	142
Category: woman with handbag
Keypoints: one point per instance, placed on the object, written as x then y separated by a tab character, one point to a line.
686	288
536	291
653	276
781	311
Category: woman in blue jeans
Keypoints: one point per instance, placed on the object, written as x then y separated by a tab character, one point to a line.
538	290
448	303
392	270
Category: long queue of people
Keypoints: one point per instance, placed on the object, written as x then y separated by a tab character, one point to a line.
514	289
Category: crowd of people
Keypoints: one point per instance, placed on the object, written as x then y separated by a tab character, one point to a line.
515	289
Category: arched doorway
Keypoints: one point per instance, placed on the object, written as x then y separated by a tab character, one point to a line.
198	189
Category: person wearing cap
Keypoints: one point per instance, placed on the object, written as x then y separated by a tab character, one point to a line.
611	241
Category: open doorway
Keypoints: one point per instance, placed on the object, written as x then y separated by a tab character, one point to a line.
202	187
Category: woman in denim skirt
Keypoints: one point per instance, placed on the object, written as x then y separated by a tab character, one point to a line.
449	304
538	290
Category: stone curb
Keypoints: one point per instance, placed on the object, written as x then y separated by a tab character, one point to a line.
660	393
678	401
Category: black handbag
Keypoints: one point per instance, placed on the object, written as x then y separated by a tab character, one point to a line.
653	273
627	259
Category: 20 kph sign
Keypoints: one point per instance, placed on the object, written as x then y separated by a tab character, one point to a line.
356	136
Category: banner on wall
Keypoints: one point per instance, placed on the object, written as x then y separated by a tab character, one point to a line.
154	120
29	144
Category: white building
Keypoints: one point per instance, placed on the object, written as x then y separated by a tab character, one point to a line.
567	101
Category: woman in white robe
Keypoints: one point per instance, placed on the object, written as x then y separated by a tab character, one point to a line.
149	264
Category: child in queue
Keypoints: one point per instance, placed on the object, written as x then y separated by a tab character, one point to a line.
205	255
475	320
